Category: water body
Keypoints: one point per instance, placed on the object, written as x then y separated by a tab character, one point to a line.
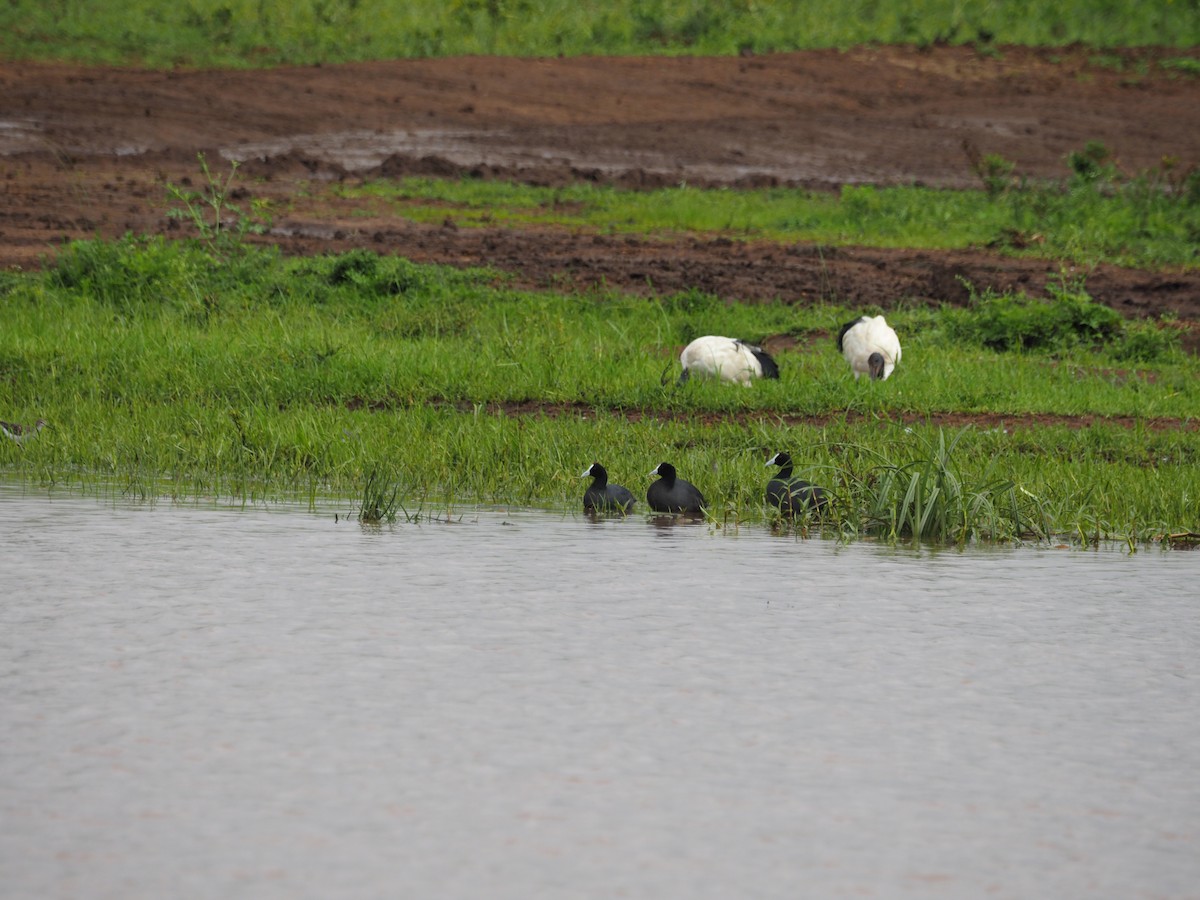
210	702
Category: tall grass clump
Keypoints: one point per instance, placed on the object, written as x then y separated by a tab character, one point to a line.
379	498
927	498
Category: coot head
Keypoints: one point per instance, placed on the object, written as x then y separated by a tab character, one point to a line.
784	461
597	471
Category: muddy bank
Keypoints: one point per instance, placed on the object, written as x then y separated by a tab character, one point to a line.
87	152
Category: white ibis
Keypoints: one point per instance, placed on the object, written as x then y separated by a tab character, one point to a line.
727	358
870	346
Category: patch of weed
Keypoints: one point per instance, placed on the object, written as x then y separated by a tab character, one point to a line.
1006	322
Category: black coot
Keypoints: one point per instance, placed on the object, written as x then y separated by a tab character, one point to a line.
792	495
672	494
602	496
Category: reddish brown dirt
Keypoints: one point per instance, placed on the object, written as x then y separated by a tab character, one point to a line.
88	152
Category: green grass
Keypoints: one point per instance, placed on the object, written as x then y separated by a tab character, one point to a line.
269	32
1149	220
171	371
195	369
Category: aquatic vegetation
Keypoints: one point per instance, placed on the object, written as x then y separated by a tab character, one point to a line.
379	499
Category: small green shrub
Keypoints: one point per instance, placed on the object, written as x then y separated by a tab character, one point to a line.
382	277
124	274
1146	342
1005	322
995	172
1093	163
220	223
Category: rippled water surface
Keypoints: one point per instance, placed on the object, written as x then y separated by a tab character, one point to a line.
211	702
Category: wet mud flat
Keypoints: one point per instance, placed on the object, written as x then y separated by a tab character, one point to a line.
87	152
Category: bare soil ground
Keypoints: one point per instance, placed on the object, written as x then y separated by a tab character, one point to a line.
87	152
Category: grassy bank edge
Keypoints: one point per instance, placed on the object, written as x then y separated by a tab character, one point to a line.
176	373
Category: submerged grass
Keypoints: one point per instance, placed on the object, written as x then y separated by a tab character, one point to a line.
269	32
179	374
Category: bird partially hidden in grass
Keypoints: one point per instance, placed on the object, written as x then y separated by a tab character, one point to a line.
22	433
727	358
602	496
791	495
671	494
870	346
